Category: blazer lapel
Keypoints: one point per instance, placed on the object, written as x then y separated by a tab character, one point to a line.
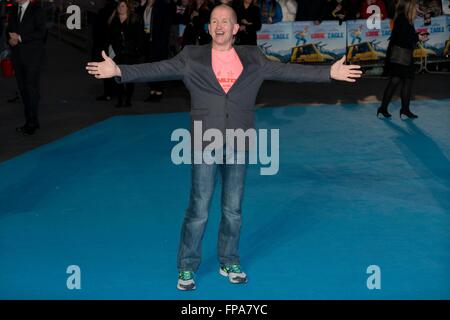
26	13
240	52
208	60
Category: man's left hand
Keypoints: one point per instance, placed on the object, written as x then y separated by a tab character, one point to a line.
13	42
14	39
14	36
343	72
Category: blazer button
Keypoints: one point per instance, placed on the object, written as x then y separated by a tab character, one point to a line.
227	115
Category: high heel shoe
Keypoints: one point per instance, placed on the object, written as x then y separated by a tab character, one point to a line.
408	114
27	130
154	97
384	112
103	97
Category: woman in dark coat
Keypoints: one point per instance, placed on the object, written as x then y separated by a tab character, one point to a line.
249	19
178	9
197	19
156	18
403	37
124	30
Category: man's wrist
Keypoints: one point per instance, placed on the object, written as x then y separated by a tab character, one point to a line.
331	71
118	72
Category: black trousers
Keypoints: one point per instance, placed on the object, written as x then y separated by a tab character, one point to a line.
28	81
126	90
153	53
405	91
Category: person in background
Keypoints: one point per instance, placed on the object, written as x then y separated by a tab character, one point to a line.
390	8
428	9
270	11
125	38
26	34
2	27
310	10
178	9
100	43
156	18
230	3
198	18
432	8
288	9
3	46
399	58
336	10
249	18
353	9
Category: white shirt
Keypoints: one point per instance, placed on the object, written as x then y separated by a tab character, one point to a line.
24	8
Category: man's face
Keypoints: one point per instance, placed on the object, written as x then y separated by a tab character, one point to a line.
222	28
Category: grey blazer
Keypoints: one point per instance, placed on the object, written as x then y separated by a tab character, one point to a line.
209	103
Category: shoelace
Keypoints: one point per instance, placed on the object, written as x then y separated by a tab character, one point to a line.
185	275
235	268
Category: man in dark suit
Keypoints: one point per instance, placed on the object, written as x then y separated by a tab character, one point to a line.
26	34
223	81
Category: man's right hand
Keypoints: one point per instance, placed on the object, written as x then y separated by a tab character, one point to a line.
104	69
13	42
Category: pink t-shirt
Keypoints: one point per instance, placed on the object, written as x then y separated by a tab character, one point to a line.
227	67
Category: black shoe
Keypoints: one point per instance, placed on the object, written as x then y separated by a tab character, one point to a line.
153	97
27	130
103	97
150	98
159	96
408	114
30	130
384	112
21	129
13	99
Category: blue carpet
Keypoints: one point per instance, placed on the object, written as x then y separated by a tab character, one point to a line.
352	191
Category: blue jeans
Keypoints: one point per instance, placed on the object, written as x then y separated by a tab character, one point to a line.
202	189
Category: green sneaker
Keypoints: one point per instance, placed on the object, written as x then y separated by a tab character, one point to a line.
234	273
186	281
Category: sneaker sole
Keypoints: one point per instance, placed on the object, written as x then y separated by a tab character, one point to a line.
186	288
225	274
